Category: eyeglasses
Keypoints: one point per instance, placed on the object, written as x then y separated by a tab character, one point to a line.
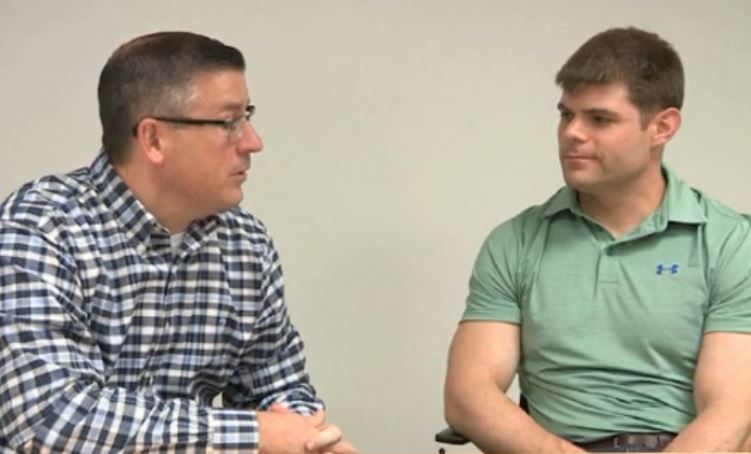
233	126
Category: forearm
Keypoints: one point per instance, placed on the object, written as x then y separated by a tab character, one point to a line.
496	424
722	396
273	364
714	430
108	420
297	396
61	403
273	374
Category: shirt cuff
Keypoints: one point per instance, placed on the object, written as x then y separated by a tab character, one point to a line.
233	430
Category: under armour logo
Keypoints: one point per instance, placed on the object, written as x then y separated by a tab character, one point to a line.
661	268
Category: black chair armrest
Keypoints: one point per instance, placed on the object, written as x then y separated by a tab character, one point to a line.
451	437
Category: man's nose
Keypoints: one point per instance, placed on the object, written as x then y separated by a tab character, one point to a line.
574	130
250	140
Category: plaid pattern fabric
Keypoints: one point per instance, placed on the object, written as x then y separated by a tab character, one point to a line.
109	341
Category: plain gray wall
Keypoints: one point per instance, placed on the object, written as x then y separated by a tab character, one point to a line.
398	133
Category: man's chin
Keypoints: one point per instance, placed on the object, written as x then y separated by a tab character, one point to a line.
229	203
235	200
578	176
577	183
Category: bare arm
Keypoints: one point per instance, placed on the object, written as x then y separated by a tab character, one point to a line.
722	395
482	363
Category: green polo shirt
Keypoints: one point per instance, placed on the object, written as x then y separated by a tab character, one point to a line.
611	328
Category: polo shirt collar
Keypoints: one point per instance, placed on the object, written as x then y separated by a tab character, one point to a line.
564	199
681	201
680	204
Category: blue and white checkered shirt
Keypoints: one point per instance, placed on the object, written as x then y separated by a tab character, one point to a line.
109	341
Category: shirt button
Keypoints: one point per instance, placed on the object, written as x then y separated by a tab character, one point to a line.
148	380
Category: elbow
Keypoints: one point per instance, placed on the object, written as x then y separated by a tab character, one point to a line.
454	408
450	414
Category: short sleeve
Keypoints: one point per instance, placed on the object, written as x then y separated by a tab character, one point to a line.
494	283
730	285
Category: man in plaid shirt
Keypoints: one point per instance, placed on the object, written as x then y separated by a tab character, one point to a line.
134	291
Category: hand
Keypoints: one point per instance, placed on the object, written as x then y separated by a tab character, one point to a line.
328	439
285	431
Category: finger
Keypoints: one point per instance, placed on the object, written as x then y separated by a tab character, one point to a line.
343	447
327	436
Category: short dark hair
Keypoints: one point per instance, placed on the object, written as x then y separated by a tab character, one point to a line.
648	65
154	74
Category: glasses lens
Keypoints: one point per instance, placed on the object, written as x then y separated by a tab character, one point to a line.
238	126
236	130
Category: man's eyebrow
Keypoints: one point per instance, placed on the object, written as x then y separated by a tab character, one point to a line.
594	111
602	112
234	106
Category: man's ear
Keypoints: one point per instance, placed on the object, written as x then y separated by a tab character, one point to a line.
665	124
149	136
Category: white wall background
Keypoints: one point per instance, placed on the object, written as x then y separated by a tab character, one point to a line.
398	133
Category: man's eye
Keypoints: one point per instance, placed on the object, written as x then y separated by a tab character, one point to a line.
566	115
233	123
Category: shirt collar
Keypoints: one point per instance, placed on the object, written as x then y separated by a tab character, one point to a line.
564	199
138	224
680	203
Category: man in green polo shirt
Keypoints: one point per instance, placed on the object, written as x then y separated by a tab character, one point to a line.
624	301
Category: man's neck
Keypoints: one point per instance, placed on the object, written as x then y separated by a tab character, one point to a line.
620	209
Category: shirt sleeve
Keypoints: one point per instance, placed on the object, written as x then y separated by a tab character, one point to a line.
273	369
494	283
730	284
53	382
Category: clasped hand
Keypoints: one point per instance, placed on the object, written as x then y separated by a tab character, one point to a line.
284	431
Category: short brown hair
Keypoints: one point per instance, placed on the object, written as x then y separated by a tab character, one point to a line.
154	74
648	65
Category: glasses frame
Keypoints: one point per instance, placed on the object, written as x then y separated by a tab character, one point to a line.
233	126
